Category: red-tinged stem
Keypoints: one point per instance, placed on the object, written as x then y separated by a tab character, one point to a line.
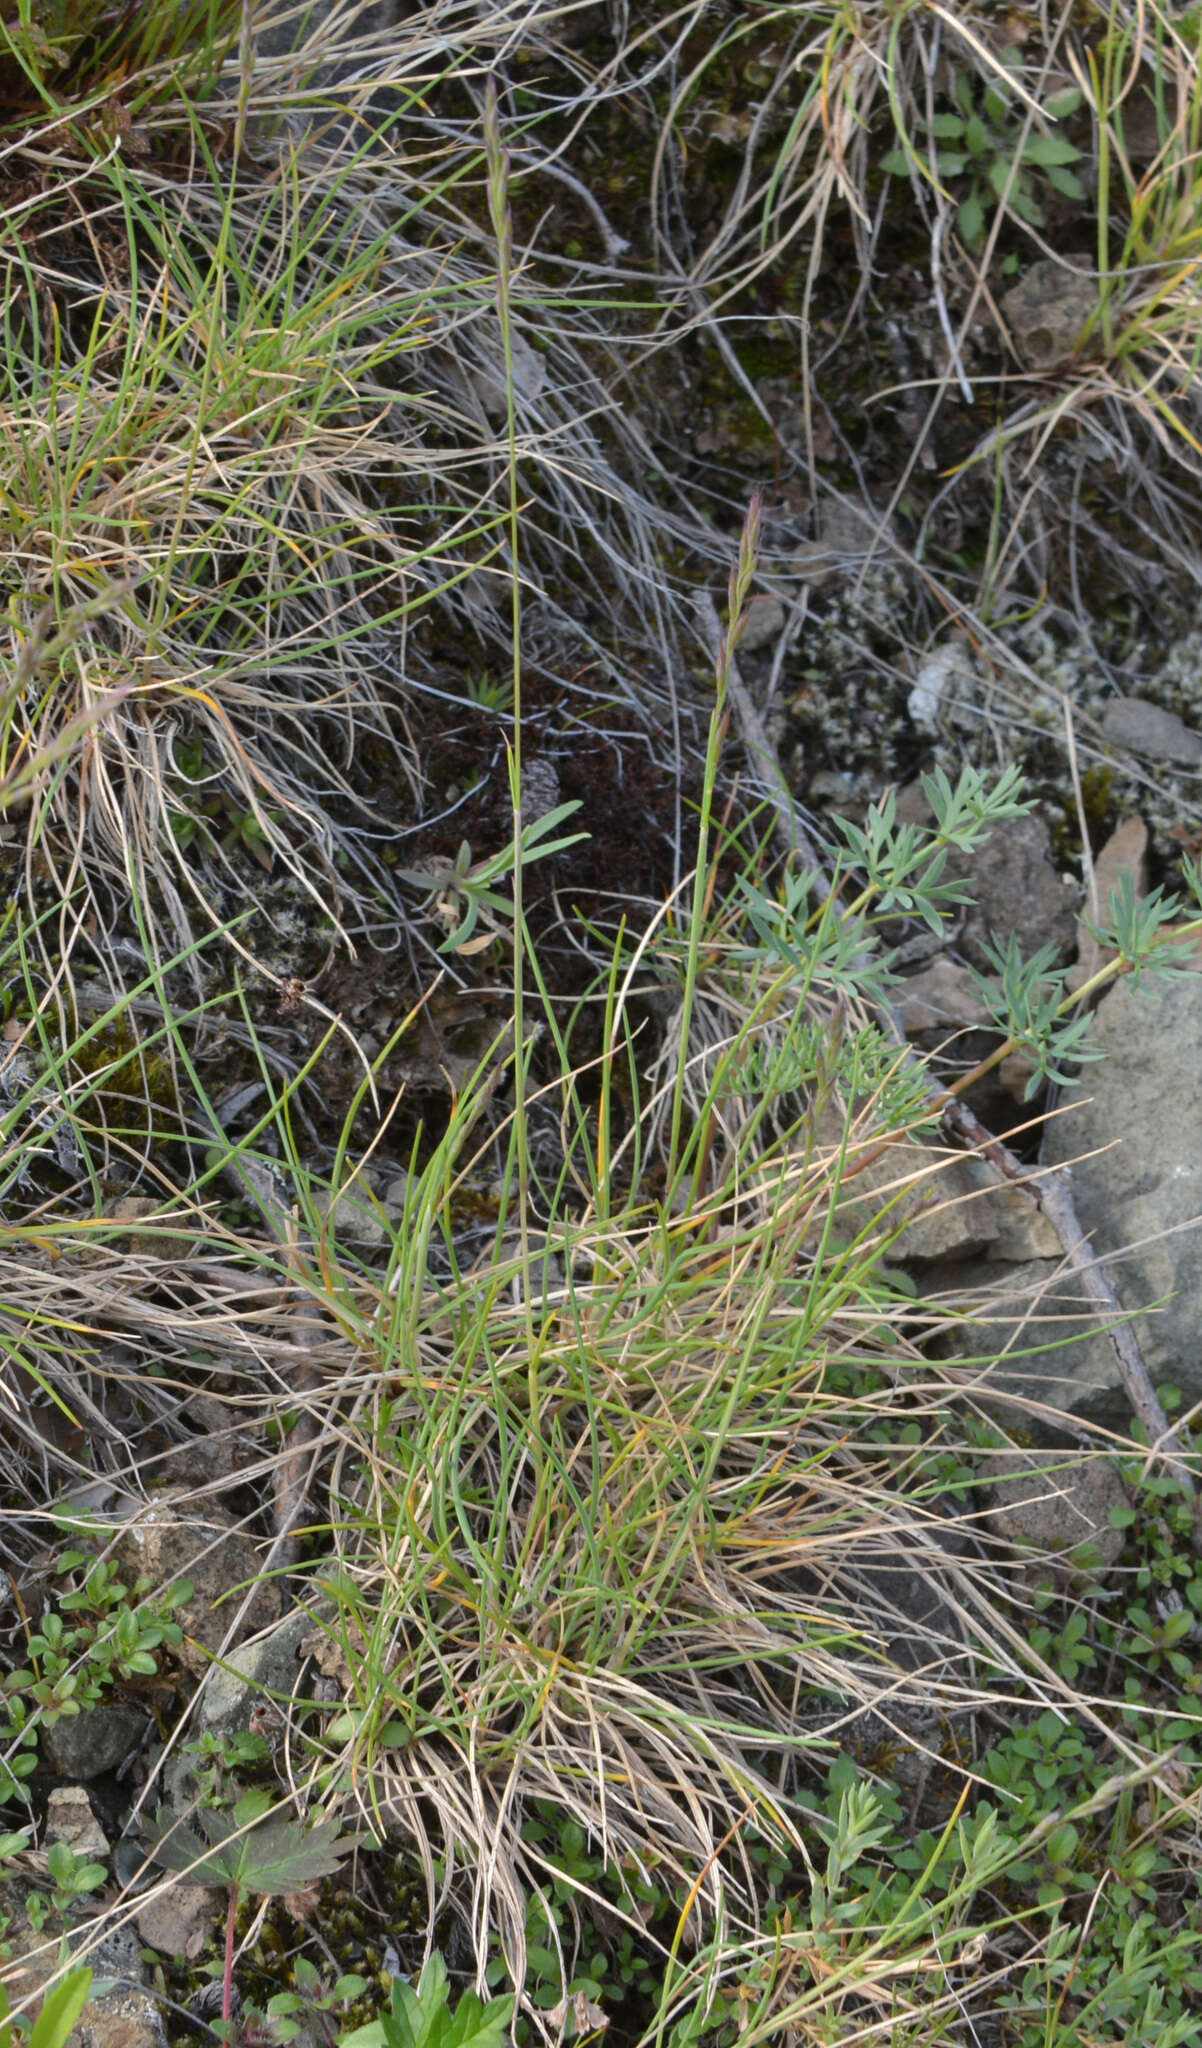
227	1988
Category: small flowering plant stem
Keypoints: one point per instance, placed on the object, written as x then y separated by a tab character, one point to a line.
248	1850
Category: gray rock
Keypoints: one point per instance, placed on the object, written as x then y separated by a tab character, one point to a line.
486	377
941	998
252	1676
1144	1105
281	30
1054	1505
1047	309
909	1599
254	1673
949	1206
1015	1075
69	1819
945	675
581	23
1032	1337
176	1921
97	1740
125	2016
1148	729
763	624
281	27
844	534
540	788
1016	891
354	1219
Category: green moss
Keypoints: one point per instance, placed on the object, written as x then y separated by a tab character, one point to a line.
133	1089
1097	795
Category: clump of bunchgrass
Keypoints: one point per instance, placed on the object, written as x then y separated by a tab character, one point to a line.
253	446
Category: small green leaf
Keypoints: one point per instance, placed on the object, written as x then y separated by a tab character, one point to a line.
1001	176
1049	149
976	136
971	221
1065	181
1062	103
60	2010
1061	1843
252	1806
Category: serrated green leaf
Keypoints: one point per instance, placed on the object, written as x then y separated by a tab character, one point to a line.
476	2025
178	1847
281	1856
271	1858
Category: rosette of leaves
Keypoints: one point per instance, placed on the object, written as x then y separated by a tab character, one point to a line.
982	142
